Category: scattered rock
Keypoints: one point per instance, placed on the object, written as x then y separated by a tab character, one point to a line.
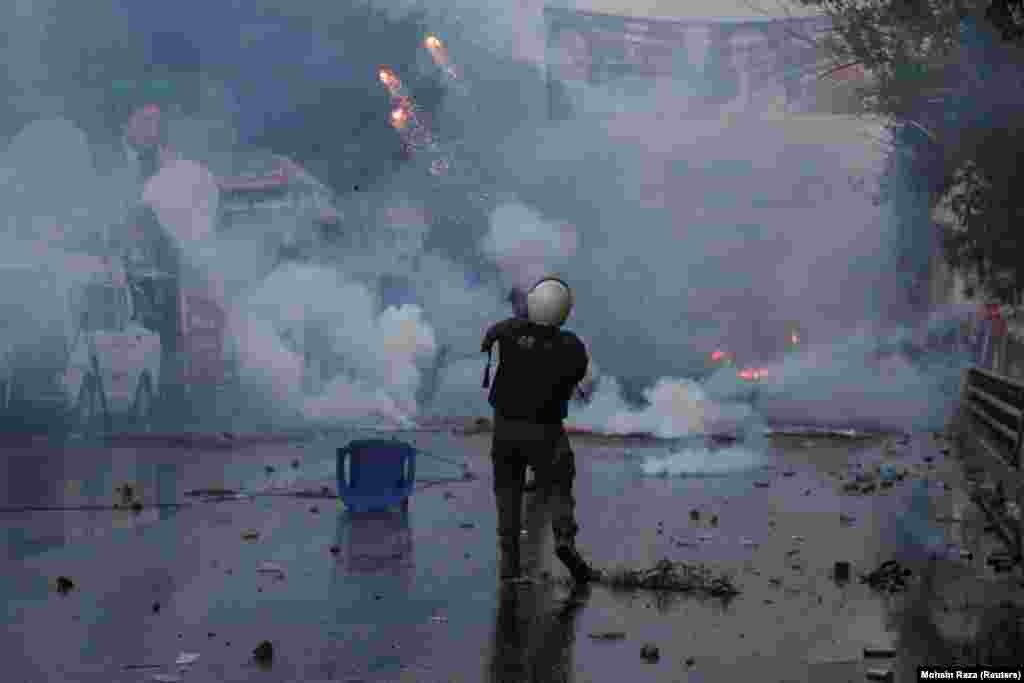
890	577
136	506
186	658
324	491
335	550
264	653
688	661
269	469
270	568
250	535
851	487
695	514
608	635
211	634
868	488
789	473
650	653
748	543
65	585
448	495
761	484
167	678
879	675
879	652
846	520
439	620
714	520
928	458
314	509
841	571
156	607
295	463
467	525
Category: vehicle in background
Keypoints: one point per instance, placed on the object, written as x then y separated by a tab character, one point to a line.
76	354
274	194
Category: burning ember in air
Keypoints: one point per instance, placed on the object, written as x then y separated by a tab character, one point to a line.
753	374
439	54
416	137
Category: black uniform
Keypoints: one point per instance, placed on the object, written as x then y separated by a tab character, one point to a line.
539	369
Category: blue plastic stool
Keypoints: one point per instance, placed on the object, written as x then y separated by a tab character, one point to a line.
376	474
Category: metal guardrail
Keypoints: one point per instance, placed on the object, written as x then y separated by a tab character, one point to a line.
991	428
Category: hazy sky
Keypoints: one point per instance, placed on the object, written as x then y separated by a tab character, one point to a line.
691	9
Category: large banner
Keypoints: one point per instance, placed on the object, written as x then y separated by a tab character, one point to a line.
723	61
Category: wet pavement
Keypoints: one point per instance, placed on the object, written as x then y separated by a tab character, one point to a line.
413	596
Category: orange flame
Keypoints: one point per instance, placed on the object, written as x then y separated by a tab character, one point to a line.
399	118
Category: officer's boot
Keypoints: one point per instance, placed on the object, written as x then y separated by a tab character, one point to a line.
509	558
565	549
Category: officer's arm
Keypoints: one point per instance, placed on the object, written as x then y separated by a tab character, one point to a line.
493	333
580	361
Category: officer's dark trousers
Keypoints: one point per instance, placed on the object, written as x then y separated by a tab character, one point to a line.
546	449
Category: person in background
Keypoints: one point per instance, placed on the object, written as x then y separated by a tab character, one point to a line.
540	367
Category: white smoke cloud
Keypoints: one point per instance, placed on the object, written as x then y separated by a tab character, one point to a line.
303	309
525	246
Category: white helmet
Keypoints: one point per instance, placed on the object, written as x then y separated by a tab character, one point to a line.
549	302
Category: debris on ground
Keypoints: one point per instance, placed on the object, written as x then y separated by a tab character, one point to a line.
295	463
714	520
841	571
250	535
608	635
335	550
650	653
65	585
762	484
879	652
186	658
467	525
439	620
271	568
136	506
890	577
688	661
448	495
264	653
695	514
156	607
269	469
679	577
846	520
879	675
167	678
314	509
212	493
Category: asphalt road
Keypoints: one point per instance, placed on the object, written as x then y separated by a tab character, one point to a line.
413	596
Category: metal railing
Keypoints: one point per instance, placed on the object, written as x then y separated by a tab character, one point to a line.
991	431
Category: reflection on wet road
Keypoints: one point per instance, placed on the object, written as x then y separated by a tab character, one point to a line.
413	595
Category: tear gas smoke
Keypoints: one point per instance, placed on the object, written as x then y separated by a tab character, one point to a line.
680	225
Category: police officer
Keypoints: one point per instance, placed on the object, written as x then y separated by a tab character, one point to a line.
539	369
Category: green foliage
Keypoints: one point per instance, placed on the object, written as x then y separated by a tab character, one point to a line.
947	74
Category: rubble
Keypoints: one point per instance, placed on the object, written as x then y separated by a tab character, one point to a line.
264	653
879	675
250	534
608	635
762	484
889	577
672	576
64	585
841	571
650	653
186	658
156	607
695	515
714	520
878	652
